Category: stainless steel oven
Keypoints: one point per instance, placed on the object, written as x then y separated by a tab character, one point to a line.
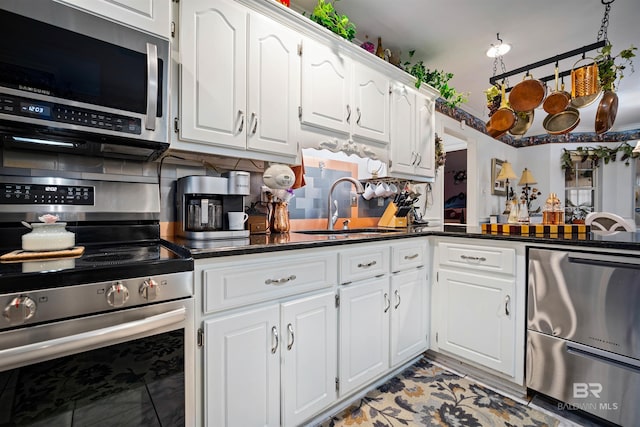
71	81
583	338
102	338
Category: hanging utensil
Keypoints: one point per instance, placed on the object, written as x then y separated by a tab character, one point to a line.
523	123
607	110
563	122
585	84
528	94
503	119
558	100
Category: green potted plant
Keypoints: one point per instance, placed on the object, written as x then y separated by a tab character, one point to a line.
611	68
437	79
326	15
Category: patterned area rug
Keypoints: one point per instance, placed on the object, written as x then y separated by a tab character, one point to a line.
427	395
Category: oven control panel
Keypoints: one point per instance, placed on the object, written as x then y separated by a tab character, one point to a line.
37	194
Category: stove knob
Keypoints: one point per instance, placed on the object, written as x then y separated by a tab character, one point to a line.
117	295
149	289
19	310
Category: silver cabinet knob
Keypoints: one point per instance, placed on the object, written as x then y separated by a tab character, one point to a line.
117	295
19	310
149	290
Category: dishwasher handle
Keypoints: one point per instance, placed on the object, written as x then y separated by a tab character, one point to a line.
602	261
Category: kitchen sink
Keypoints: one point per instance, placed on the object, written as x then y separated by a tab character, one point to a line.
355	232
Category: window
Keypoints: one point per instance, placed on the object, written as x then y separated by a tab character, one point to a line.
580	189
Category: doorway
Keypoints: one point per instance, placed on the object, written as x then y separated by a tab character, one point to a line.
455	181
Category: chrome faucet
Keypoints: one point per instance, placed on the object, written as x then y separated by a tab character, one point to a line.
331	220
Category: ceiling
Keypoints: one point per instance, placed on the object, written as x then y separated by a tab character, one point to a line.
454	35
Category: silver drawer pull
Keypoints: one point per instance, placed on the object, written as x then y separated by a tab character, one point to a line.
414	256
507	300
367	265
274	337
473	258
290	329
387	301
279	281
397	294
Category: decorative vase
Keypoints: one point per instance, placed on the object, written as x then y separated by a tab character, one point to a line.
281	218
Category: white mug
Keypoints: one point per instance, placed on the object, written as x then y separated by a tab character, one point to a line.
381	190
369	191
393	190
237	220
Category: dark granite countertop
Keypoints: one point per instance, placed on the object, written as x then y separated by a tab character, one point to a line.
261	243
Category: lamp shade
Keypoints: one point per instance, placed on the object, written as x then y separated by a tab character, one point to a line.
506	172
637	149
527	178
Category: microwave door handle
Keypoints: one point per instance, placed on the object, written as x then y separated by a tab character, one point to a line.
152	86
63	346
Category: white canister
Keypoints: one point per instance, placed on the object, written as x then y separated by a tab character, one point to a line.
48	237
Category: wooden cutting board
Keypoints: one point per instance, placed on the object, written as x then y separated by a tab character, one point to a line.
22	255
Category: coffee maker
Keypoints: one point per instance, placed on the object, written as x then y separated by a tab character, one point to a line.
204	201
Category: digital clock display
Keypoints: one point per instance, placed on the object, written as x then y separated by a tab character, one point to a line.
35	109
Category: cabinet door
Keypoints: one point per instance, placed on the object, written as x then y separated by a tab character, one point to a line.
213	48
371	100
274	86
364	332
477	320
425	136
409	315
309	363
242	369
325	88
153	16
403	154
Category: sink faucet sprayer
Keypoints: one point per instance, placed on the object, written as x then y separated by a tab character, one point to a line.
359	189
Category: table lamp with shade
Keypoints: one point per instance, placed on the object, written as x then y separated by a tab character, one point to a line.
528	192
505	174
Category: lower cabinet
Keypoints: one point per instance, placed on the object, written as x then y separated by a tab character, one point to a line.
251	356
383	323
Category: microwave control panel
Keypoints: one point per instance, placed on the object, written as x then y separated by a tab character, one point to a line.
25	107
37	194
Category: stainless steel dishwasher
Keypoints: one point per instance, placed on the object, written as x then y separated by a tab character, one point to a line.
583	338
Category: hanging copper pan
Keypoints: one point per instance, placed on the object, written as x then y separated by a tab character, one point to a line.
558	100
527	95
504	118
523	123
493	132
563	122
607	110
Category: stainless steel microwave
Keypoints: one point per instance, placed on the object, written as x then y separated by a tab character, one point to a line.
72	81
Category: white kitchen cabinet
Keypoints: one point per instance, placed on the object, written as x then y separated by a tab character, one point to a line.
477	304
253	355
412	148
240	74
364	332
326	88
242	369
409	315
384	318
342	95
153	16
309	362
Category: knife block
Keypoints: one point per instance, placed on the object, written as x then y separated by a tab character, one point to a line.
389	218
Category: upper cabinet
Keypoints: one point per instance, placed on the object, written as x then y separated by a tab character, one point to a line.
240	79
412	148
153	16
343	95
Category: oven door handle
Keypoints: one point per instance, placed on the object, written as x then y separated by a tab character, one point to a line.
152	86
58	347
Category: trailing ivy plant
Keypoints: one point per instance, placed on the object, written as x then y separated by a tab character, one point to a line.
596	154
437	79
608	70
326	15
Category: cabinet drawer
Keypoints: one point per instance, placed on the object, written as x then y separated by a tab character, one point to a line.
363	262
483	258
407	255
249	281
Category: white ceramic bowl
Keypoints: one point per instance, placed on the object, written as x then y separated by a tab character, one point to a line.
48	237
